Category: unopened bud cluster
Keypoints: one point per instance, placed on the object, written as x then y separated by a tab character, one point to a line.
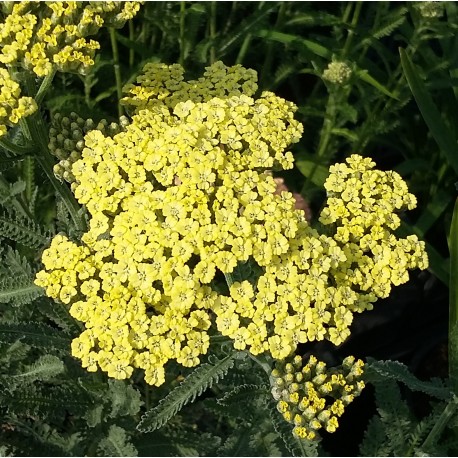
312	397
66	139
337	73
431	9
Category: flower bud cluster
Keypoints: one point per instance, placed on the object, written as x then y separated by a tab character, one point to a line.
66	139
13	107
46	35
337	73
312	397
431	10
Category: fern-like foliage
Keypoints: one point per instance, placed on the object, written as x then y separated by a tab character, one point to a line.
15	264
265	444
375	442
188	442
390	23
394	370
394	414
394	431
44	368
421	431
116	443
19	290
244	401
125	399
59	315
22	230
36	335
194	385
239	442
47	402
16	279
34	438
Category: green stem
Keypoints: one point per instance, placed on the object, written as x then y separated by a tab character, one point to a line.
182	32
264	361
441	423
29	176
453	306
230	18
131	38
229	279
351	34
243	49
213	32
147	397
266	68
45	85
117	68
328	123
17	150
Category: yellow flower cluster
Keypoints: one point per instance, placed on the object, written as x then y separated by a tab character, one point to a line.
66	139
13	107
176	197
362	204
182	196
44	35
164	85
312	397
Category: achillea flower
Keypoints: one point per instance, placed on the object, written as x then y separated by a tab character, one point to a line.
183	194
42	36
13	107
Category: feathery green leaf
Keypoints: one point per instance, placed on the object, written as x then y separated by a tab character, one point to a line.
194	384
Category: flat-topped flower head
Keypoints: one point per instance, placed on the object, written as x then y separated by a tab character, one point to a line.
183	197
42	36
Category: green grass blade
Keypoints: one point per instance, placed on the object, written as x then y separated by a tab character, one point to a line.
317	173
443	136
287	38
453	311
367	78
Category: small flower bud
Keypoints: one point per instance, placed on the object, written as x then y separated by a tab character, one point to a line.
314	424
337	73
319	379
289	368
298	420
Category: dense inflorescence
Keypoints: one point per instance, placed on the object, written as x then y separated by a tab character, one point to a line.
13	107
46	35
312	396
182	198
42	37
337	72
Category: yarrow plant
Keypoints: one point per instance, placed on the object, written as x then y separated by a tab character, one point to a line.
183	238
182	197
